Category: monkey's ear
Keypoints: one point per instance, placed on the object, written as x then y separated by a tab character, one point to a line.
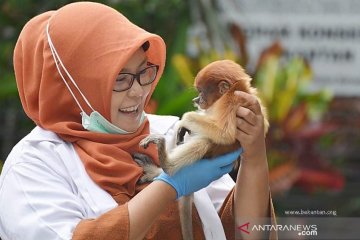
224	86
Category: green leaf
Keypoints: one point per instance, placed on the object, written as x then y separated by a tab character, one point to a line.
178	104
266	79
8	86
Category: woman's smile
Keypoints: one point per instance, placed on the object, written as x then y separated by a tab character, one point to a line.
133	109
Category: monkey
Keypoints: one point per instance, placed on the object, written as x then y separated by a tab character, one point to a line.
211	129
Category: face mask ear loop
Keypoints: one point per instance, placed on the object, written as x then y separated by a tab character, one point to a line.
57	61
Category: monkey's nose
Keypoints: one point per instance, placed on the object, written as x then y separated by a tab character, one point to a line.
196	100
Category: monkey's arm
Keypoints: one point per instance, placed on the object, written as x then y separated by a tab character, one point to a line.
204	126
189	152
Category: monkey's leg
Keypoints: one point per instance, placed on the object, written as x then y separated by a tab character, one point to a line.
203	125
182	155
185	212
150	169
159	140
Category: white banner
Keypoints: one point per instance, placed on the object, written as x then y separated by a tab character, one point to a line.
325	32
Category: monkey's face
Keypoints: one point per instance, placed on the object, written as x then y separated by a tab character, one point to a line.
215	79
200	101
210	93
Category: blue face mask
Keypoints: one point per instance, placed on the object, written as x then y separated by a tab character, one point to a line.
95	122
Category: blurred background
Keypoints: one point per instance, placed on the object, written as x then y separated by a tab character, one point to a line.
303	56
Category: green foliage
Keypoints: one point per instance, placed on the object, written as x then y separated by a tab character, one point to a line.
165	18
14	14
172	95
157	16
7	85
284	87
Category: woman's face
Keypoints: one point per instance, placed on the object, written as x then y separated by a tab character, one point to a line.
127	106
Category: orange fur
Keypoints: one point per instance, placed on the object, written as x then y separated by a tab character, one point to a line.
213	129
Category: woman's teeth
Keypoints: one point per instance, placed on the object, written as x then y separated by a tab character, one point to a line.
129	110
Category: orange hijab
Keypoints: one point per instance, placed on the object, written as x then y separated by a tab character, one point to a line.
94	42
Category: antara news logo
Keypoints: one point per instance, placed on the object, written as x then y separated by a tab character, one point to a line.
302	230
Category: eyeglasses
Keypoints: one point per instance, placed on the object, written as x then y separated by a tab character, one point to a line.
124	81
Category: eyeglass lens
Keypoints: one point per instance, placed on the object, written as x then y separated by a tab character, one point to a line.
124	81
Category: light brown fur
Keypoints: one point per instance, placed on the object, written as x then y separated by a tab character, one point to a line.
212	128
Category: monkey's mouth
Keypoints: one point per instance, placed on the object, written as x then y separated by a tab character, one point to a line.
199	103
202	105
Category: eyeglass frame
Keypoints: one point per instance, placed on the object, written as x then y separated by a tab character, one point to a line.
137	76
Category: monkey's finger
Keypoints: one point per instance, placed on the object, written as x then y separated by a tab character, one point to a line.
250	101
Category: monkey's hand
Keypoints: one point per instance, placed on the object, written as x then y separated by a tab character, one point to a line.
150	169
157	139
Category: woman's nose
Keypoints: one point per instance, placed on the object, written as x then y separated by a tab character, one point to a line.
136	90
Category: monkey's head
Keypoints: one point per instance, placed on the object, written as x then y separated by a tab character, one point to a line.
216	79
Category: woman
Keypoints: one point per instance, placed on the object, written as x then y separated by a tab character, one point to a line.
85	74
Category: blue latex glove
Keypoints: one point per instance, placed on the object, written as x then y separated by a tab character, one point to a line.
200	174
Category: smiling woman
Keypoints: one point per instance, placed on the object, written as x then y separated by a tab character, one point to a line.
129	96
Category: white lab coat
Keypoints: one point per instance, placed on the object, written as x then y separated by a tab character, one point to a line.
45	191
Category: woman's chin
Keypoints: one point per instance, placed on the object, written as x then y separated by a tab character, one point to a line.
129	122
129	125
132	129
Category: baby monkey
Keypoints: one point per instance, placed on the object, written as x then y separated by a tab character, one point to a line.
212	129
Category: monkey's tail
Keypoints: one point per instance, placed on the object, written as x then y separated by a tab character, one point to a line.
185	212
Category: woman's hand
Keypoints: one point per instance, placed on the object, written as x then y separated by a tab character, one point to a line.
251	129
198	175
251	194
